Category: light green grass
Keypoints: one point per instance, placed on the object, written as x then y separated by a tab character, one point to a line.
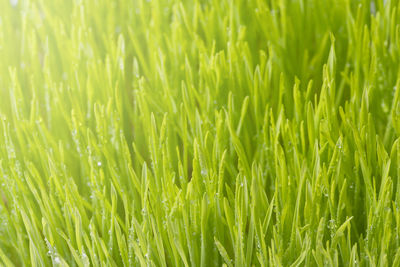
199	133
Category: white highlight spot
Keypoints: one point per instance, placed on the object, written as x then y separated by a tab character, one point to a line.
57	260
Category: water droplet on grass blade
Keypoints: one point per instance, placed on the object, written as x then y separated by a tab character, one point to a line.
332	224
85	259
351	186
57	260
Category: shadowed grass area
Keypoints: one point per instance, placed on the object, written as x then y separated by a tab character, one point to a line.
199	133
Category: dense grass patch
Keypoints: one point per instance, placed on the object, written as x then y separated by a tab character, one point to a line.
200	133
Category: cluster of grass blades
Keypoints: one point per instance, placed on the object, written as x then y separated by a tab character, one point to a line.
200	133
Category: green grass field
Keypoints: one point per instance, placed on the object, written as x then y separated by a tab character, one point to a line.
199	133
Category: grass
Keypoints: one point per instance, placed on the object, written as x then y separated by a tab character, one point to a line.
200	133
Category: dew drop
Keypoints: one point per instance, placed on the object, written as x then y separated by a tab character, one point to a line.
57	260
